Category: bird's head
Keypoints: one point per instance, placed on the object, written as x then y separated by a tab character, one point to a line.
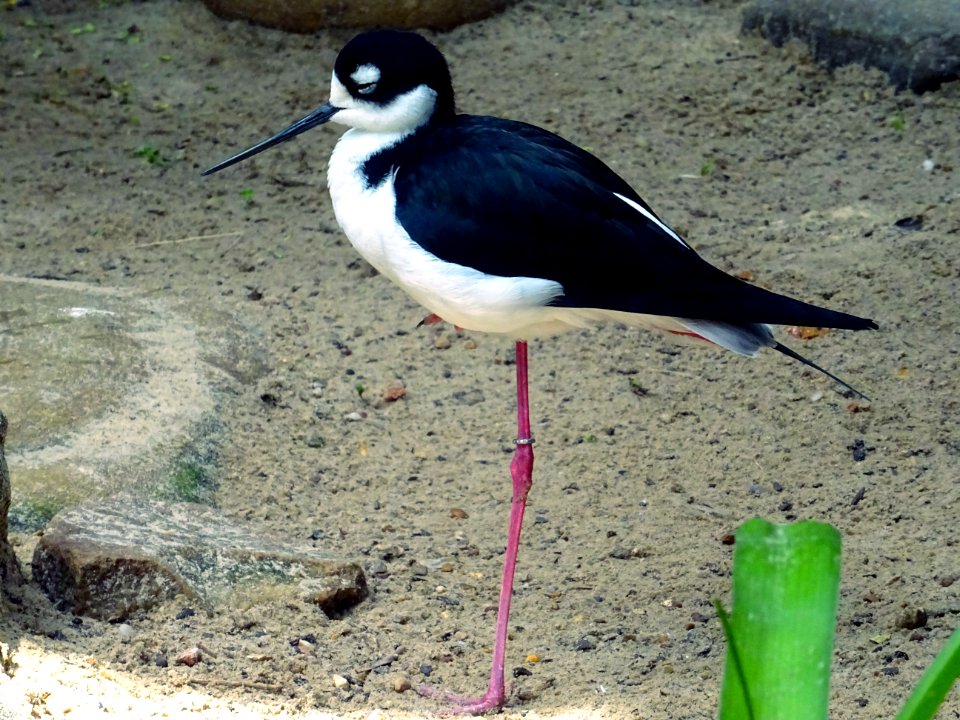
390	81
383	81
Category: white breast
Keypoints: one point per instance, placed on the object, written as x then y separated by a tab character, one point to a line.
460	295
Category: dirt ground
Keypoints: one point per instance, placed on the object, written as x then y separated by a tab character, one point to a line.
648	453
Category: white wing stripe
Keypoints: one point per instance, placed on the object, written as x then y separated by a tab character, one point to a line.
653	218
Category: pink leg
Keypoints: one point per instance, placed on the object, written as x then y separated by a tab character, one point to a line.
521	470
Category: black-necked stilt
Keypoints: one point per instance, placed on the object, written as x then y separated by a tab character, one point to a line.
499	226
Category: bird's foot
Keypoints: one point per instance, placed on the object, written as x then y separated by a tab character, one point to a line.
493	699
433	319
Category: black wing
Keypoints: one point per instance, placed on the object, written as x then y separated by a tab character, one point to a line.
513	200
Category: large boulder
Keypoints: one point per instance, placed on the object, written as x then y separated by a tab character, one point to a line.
305	16
116	558
113	391
916	43
9	569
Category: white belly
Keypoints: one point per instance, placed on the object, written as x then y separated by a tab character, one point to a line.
460	295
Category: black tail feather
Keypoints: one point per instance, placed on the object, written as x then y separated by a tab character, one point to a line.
800	358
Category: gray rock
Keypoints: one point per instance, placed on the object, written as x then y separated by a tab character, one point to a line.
111	390
306	16
917	43
112	559
9	568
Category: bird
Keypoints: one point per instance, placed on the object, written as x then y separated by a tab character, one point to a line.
500	226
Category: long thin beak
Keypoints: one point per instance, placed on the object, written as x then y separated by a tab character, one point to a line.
318	117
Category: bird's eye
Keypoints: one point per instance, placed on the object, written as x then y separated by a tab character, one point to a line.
366	78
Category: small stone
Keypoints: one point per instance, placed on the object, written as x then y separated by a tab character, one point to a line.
399	683
441	342
161	660
586	643
305	647
383	664
469	397
458	514
186	612
340	682
394	391
527	695
859	450
336	592
859	496
912	619
353	417
190	657
470	345
125	632
316	440
324	411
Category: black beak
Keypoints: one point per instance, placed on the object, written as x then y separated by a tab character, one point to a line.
318	117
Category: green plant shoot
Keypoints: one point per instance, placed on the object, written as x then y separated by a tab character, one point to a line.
786	581
936	682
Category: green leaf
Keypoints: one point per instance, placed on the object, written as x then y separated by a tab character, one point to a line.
936	682
785	586
83	29
899	121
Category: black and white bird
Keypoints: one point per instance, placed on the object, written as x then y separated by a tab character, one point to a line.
499	226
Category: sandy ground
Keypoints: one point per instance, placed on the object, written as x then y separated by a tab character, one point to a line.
769	165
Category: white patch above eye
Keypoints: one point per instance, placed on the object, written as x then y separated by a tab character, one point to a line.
366	75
